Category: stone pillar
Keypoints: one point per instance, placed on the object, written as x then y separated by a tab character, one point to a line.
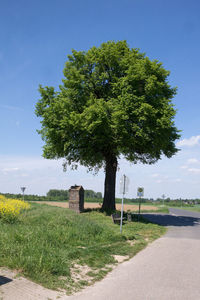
76	198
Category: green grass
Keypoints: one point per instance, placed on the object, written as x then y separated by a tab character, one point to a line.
190	208
160	209
52	245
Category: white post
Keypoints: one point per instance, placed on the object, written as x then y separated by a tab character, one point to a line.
163	197
124	184
140	194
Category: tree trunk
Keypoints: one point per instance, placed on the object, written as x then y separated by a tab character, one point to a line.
109	187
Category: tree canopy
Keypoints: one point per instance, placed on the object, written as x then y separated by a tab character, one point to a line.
113	101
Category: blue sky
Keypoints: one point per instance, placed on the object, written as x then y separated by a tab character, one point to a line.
36	37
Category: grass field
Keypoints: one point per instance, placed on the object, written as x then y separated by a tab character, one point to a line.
194	208
132	207
60	249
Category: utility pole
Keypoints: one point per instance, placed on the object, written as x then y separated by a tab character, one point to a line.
163	197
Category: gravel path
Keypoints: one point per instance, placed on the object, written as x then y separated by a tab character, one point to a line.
168	269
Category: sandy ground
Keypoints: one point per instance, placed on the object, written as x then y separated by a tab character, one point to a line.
97	205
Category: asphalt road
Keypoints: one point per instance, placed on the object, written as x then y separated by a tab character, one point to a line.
182	223
168	269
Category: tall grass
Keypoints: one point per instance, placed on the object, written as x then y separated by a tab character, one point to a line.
49	242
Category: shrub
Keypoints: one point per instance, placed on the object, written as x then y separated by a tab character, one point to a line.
10	209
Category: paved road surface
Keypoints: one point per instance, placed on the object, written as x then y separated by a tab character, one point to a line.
168	269
182	223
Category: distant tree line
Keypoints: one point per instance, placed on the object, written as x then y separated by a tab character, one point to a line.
64	194
57	195
167	201
26	197
54	195
92	196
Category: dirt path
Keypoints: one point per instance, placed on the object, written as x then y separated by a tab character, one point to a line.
97	205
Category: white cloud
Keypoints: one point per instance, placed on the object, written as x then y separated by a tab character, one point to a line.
39	175
155	175
11	107
10	169
184	167
194	170
24	175
193	161
177	180
12	163
193	141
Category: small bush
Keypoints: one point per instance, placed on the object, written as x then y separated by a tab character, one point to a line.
10	209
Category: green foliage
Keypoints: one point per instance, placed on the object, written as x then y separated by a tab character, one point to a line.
92	195
55	195
195	208
26	197
114	100
59	195
48	241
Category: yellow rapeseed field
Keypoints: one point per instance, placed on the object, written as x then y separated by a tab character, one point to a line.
10	209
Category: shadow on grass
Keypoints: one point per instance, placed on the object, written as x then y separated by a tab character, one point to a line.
134	216
169	220
99	210
86	210
157	218
4	280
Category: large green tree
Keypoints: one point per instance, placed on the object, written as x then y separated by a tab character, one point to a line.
113	101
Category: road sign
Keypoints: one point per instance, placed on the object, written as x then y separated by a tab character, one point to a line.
140	192
23	189
124	184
